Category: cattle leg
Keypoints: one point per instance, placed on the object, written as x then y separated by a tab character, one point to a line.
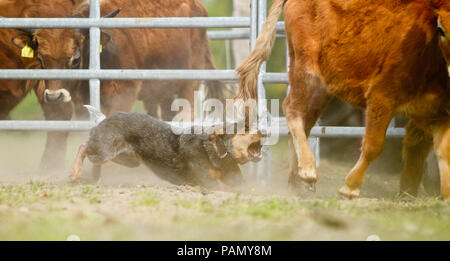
54	154
80	97
441	142
303	106
378	117
184	90
119	95
152	95
151	107
166	110
416	147
77	166
293	164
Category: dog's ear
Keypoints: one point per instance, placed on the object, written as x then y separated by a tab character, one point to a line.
215	149
218	145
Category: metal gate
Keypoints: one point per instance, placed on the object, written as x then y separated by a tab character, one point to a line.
94	74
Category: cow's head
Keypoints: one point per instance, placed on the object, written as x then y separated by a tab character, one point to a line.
442	9
59	49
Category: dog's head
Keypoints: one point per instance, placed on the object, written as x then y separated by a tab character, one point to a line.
242	147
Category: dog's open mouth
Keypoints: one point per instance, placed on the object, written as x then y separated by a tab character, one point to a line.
254	151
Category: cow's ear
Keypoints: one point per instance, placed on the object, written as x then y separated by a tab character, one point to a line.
105	39
22	40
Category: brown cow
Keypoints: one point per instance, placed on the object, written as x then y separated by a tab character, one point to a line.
12	92
127	49
382	55
36	8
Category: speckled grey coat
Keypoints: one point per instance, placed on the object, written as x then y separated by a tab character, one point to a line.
179	159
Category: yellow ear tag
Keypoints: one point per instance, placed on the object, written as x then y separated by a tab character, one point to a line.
101	48
27	52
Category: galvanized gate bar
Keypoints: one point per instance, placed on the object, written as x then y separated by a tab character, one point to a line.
253	23
103	74
229	35
343	132
170	22
264	167
94	55
46	125
276	78
322	131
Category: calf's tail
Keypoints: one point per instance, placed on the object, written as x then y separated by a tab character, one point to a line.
249	69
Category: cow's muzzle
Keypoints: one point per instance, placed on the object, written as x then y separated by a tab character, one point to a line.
61	95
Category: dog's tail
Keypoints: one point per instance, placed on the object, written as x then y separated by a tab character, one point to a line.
249	69
95	114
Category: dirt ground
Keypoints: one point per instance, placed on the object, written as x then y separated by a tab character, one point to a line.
132	204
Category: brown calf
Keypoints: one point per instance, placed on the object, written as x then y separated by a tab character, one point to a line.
382	55
125	49
13	91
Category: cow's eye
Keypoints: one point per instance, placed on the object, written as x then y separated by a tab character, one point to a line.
39	57
441	31
75	62
440	28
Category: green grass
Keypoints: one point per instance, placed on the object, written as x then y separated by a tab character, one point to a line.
147	199
38	211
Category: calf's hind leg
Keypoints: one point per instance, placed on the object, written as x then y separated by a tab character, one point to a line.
303	106
416	147
293	164
441	142
378	116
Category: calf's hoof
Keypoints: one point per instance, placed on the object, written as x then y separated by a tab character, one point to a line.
348	192
299	186
309	178
446	198
308	175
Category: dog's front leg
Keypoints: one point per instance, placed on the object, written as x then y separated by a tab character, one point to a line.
96	172
77	166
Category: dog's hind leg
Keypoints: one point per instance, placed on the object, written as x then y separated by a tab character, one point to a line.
128	159
77	166
96	172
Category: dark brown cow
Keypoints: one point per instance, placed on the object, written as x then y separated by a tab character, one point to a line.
127	49
382	55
